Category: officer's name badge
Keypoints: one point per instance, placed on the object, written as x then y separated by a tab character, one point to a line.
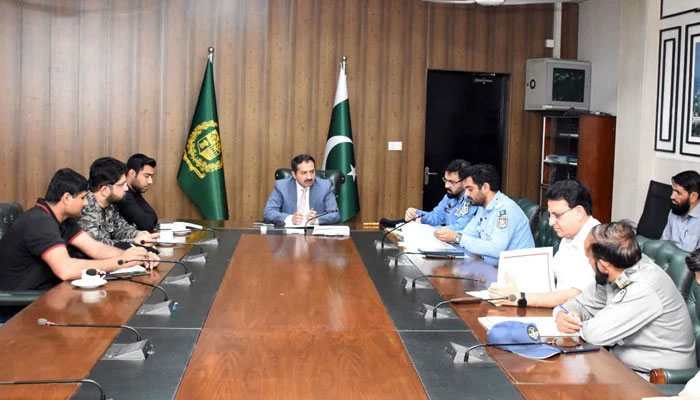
464	210
502	222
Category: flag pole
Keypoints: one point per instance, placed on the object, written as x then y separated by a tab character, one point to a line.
344	59
211	54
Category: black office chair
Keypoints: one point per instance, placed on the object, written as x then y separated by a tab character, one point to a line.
12	301
336	178
656	209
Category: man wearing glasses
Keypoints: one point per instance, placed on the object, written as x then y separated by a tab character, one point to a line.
570	206
454	210
100	217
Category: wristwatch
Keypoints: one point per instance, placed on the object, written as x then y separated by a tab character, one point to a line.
522	301
458	237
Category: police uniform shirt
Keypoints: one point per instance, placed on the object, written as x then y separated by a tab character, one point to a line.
26	243
571	266
454	213
684	230
501	225
642	315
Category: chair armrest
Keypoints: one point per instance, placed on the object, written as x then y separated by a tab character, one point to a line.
672	376
19	297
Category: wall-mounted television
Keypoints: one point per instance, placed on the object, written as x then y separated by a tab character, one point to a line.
555	84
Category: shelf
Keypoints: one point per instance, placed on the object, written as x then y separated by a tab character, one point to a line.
572	164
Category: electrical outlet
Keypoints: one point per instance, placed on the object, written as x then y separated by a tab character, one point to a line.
395	146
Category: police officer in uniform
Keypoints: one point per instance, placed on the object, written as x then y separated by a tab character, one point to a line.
454	210
634	306
499	223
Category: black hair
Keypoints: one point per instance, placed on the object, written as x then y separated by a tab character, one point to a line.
459	166
301	158
105	171
693	260
65	180
616	243
689	180
485	173
575	192
138	161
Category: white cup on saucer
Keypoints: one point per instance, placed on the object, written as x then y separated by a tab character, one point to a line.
166	236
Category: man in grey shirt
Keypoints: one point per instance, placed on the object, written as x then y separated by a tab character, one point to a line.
633	307
683	226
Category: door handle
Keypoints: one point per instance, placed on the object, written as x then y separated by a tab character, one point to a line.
426	176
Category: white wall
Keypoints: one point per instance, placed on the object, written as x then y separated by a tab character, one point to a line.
636	162
599	43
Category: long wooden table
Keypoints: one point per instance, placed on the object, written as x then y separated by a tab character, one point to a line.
304	317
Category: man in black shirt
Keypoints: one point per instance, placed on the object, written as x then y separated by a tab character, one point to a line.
133	207
34	254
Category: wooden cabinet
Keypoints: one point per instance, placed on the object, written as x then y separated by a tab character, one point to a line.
580	147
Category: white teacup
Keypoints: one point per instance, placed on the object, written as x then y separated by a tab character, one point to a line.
89	278
179	226
93	296
263	229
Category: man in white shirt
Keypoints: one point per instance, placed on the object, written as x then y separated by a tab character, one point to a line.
570	207
692	388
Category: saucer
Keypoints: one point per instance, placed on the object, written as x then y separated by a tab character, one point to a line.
88	284
183	232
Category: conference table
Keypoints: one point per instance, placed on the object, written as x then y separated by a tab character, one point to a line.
290	316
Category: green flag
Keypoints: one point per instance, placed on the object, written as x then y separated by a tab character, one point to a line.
201	173
340	151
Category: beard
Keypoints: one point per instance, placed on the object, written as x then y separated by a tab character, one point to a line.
453	195
600	277
680	209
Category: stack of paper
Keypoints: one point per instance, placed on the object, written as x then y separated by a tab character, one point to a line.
331	230
419	235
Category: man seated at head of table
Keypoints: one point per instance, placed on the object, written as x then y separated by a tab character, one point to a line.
570	207
454	210
302	197
34	249
499	223
100	217
683	225
634	306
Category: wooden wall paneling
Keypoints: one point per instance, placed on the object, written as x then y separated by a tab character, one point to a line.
35	90
92	78
149	91
255	115
175	120
65	140
414	114
10	90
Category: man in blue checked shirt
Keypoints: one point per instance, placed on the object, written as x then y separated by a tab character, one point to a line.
454	210
499	223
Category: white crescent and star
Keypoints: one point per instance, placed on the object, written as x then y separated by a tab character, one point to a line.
330	144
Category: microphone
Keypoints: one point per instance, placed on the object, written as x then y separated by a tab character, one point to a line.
480	279
201	250
476	346
396	259
184	267
467	300
152	249
58	381
318	216
46	322
397	227
120	278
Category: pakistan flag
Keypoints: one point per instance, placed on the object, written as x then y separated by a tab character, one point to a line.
201	173
340	151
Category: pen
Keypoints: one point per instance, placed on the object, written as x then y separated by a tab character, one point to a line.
561	307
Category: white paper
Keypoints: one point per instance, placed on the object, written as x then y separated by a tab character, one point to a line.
136	269
531	270
482	294
331	230
546	325
417	235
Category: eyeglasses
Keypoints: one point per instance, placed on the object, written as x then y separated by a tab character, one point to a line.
451	183
558	217
123	186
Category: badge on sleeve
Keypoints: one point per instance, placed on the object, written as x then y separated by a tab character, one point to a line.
619	296
502	222
465	209
502	213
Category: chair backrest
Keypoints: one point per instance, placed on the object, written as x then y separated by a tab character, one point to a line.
671	259
531	211
694	311
336	178
9	212
656	209
544	235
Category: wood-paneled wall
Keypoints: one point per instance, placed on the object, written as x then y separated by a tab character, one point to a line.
80	79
